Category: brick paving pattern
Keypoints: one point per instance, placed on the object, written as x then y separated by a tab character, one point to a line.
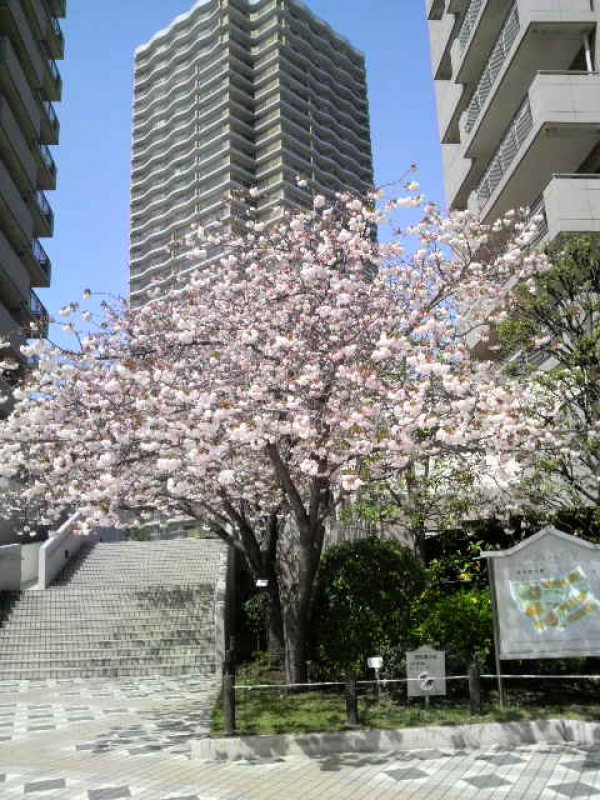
106	740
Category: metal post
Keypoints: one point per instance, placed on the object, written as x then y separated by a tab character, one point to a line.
351	699
589	57
492	580
229	693
475	688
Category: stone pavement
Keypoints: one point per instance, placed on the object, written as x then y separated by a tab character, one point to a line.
107	740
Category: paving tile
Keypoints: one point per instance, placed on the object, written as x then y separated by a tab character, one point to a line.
575	789
109	793
44	786
409	774
502	759
487	781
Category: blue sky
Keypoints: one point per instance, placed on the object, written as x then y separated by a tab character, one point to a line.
90	247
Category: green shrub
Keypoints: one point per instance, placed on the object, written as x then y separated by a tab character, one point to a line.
460	623
362	603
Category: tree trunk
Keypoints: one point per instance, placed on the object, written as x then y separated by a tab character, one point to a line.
418	533
275	630
296	645
297	607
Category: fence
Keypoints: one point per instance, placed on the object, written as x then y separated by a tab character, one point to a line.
337	533
472	694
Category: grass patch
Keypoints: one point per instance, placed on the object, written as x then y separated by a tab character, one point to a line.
277	711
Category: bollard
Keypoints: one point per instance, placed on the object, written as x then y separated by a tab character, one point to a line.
351	699
229	694
475	688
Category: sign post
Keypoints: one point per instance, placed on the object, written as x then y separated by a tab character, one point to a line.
426	673
496	634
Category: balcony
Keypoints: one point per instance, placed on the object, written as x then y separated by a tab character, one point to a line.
15	149
15	216
50	125
571	204
435	9
558	124
46	176
53	80
42	262
485	18
55	39
58	8
14	84
37	314
14	280
526	45
43	213
442	33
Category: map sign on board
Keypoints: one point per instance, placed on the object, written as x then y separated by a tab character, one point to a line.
426	671
547	592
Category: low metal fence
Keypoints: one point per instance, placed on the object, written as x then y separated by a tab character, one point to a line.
474	691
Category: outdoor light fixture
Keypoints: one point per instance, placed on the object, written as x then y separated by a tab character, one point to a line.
262	583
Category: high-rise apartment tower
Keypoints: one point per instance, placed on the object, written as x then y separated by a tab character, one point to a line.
233	95
518	96
31	40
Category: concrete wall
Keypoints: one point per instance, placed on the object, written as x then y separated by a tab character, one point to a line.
30	561
10	568
55	553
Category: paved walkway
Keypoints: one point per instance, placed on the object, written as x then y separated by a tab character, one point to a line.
91	740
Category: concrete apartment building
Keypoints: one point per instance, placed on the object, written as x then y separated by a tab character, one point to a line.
31	40
518	96
238	94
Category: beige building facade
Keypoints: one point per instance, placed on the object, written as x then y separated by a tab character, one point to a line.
518	98
237	95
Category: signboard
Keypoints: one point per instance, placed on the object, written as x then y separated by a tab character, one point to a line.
546	593
428	667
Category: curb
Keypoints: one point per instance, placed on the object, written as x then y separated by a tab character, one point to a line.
459	737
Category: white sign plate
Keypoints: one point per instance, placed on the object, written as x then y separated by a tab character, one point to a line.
547	591
428	667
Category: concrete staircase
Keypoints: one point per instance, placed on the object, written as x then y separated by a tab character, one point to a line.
119	609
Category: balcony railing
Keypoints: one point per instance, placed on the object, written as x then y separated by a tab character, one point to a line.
44	207
538	209
42	259
519	129
38	314
47	158
469	22
57	30
50	112
54	72
505	41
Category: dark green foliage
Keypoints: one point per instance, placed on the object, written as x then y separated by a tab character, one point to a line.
362	603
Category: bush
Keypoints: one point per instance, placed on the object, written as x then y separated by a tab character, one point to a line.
362	603
460	623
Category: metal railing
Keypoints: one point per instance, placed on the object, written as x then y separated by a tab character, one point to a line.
538	209
47	158
44	207
54	71
505	41
37	309
518	131
42	258
469	22
50	112
57	30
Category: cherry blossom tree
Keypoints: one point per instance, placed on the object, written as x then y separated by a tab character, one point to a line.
304	361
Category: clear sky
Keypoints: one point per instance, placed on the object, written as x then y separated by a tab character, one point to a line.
90	247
